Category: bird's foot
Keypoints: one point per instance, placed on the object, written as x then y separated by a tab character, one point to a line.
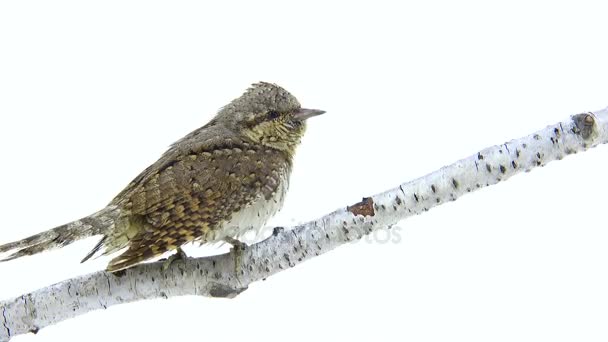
235	243
238	248
179	255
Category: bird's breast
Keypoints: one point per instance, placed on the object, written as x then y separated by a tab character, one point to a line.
256	214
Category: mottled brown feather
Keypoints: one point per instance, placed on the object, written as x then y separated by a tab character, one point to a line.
189	199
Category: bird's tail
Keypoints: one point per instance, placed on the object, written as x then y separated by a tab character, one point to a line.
97	224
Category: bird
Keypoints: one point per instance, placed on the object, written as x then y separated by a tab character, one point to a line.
215	184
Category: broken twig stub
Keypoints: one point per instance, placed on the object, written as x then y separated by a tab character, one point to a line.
363	208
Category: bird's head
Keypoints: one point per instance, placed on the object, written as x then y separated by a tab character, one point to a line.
269	115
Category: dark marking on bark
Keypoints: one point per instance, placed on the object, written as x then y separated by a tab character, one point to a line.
476	166
479	156
503	169
5	322
416	197
538	155
488	168
277	230
517	153
363	208
455	183
507	148
536	137
223	291
119	274
514	164
433	188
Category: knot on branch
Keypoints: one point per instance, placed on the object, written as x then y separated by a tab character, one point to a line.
363	208
584	125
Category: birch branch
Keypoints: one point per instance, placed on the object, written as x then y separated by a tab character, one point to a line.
229	274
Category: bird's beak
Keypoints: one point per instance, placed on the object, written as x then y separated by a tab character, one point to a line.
303	113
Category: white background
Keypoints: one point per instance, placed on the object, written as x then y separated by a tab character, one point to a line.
93	92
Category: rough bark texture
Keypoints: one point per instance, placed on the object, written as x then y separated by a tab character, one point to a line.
227	275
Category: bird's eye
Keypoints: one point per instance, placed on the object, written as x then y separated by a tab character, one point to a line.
273	114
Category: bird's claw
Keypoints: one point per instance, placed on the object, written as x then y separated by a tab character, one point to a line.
179	255
236	244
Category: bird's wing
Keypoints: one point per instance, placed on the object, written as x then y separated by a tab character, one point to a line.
190	198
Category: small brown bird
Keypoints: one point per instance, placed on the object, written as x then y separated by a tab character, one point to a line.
216	183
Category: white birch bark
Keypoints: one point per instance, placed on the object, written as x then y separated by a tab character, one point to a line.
227	275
